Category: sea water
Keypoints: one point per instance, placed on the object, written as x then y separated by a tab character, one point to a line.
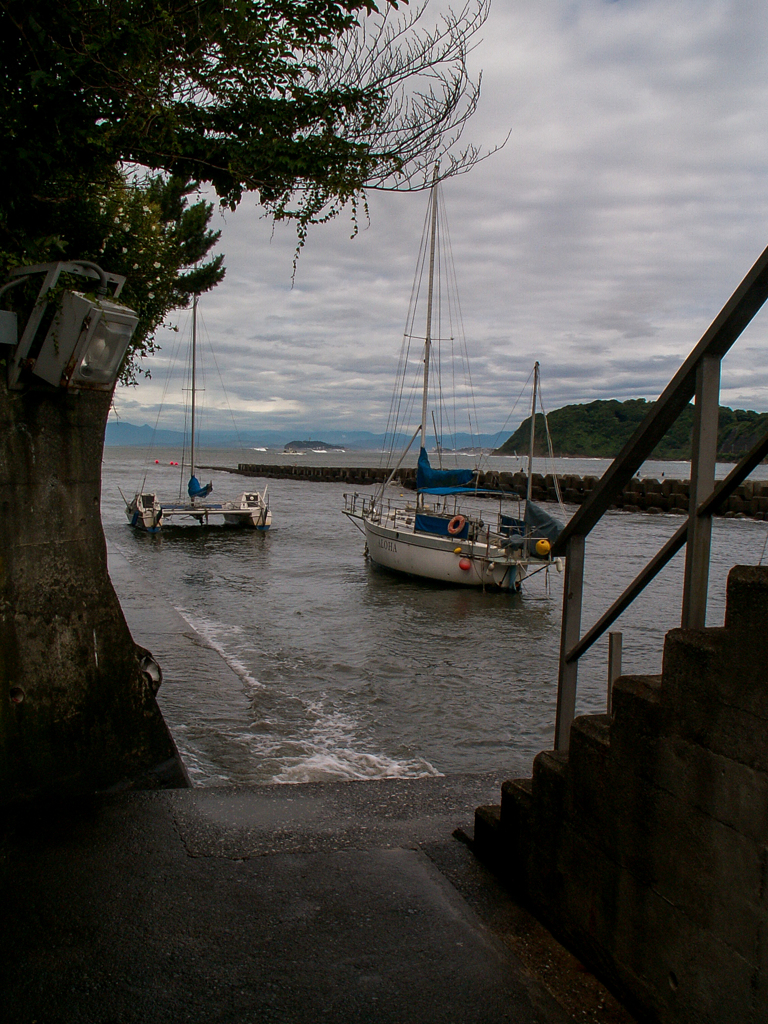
319	666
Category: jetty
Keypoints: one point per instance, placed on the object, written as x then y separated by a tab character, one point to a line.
749	499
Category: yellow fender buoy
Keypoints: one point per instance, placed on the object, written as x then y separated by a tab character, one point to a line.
543	547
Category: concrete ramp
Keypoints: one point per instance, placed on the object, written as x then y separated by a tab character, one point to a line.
292	904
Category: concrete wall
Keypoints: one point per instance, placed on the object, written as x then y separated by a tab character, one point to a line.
76	711
646	847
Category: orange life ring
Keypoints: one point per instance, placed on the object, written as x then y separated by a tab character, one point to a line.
456	525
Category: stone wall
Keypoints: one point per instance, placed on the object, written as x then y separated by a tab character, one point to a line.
749	500
76	710
645	848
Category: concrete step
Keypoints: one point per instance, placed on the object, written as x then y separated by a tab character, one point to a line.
516	800
746	609
488	829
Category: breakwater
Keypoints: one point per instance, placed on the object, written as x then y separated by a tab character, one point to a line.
647	495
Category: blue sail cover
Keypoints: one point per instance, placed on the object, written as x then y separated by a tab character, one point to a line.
541	523
536	525
441	481
196	490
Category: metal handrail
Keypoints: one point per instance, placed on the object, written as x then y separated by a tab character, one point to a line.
699	377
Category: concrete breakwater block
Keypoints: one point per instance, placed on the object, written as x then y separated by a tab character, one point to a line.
649	495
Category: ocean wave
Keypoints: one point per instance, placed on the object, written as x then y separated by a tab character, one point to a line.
210	631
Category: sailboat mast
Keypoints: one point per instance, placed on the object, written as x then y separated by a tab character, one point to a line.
533	430
430	294
194	381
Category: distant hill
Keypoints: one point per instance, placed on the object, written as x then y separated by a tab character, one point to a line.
302	446
600	429
121	433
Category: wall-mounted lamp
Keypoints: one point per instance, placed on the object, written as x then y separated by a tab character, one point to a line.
86	342
88	337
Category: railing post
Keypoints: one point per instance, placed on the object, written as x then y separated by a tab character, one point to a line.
614	666
573	586
703	459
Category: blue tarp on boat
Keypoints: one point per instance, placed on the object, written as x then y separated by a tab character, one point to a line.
440	481
196	490
438	525
512	527
537	524
541	523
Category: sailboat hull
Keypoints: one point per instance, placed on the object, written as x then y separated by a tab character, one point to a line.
443	559
250	511
250	520
145	513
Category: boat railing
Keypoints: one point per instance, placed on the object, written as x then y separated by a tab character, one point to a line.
501	525
698	378
377	508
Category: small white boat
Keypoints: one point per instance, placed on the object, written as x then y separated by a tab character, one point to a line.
251	510
450	532
146	511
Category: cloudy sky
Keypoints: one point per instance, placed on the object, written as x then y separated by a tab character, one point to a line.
627	205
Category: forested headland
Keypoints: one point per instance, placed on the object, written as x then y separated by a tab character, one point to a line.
600	429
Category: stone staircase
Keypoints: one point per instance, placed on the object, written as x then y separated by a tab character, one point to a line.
645	847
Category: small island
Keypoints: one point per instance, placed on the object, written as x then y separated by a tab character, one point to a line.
299	447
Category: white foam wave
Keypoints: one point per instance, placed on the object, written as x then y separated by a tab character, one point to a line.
349	765
210	630
327	753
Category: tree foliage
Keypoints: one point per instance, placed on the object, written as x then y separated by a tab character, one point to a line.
426	93
303	102
600	429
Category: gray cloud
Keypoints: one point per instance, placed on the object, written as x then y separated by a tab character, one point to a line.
602	240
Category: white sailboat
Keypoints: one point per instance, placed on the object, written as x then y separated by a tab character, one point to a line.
148	512
449	532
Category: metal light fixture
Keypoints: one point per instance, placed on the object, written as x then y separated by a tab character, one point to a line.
86	342
88	337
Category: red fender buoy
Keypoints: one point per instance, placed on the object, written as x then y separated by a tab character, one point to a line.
464	563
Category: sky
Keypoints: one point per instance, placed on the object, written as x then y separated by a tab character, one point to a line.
628	203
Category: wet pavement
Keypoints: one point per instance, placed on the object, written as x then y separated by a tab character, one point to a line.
348	902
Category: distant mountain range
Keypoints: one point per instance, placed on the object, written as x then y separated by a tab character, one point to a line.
600	429
595	430
121	433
